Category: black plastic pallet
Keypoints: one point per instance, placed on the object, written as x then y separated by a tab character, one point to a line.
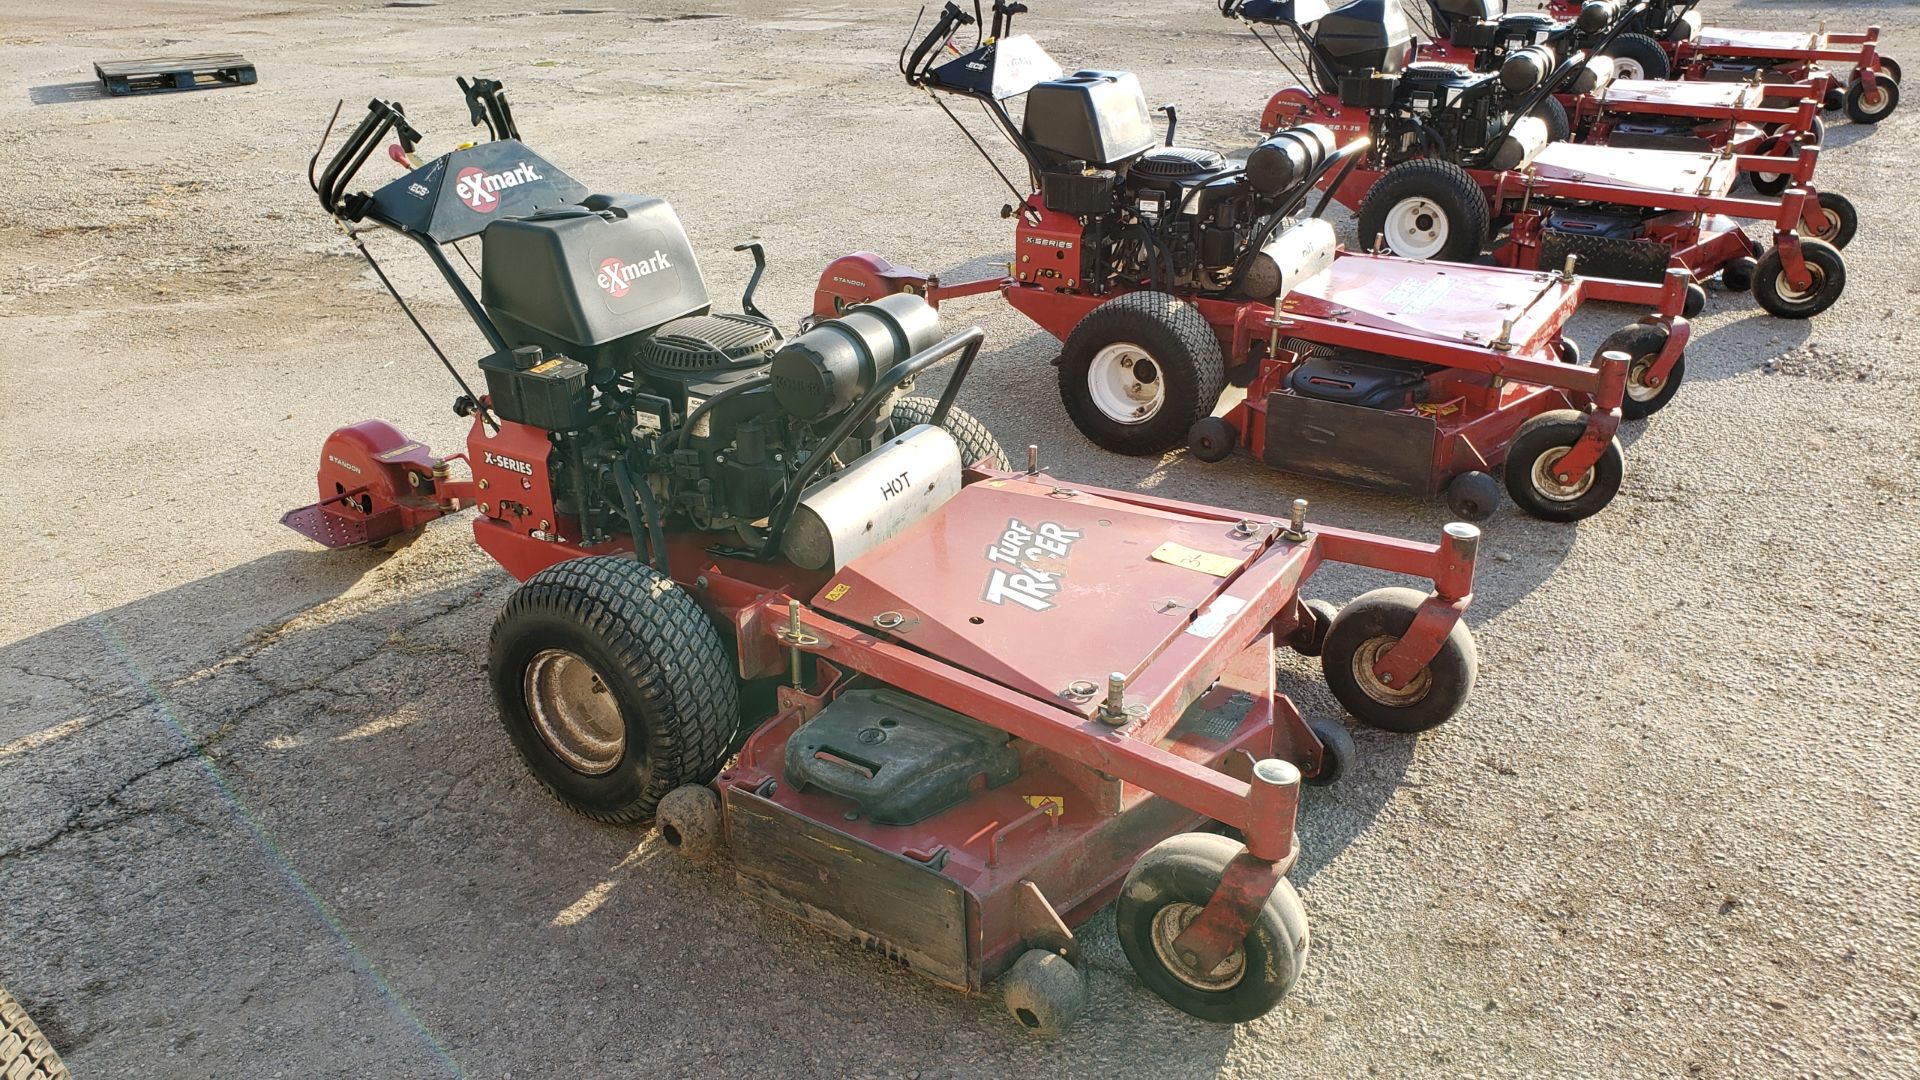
163	74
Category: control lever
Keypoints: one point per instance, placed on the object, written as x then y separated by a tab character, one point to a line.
487	104
1003	13
759	268
1173	120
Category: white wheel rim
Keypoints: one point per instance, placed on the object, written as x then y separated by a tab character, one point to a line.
1168	924
575	712
1628	69
1637	388
1873	101
1416	228
1549	486
1126	384
1367	655
1787	292
1832	218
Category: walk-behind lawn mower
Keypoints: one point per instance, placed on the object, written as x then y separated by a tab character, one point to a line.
1631	102
941	708
1170	272
1693	50
1450	160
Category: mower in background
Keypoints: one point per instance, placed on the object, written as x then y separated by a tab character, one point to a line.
1453	158
1172	272
941	708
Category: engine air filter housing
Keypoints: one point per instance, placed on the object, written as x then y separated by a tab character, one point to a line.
825	370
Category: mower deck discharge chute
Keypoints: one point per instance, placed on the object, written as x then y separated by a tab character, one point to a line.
1692	50
1452	159
939	707
1170	273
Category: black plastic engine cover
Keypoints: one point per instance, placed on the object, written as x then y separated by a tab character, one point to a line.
898	758
586	280
1099	117
1365	35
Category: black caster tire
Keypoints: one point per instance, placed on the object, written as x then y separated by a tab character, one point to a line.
1864	108
1839	219
1769	184
613	686
1044	992
25	1053
1637	56
690	821
1139	371
1337	752
1817	133
976	442
1212	439
1374	623
1544	440
1696	301
1166	890
1737	274
1473	496
1568	351
1426	209
1642	343
1780	299
1834	101
1311	636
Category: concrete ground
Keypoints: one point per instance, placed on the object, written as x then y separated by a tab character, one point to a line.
257	817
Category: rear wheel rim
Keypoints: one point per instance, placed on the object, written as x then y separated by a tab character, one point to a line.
1549	486
1625	68
1125	383
1168	924
575	712
1417	228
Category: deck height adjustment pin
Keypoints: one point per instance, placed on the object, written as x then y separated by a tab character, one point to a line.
1296	523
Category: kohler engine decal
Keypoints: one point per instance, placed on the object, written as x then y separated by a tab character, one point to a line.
1019	547
510	464
477	187
616	276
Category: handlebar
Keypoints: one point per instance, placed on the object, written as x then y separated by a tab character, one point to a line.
917	67
331	185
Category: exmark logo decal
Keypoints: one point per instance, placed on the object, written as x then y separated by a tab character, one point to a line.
510	464
479	188
1018	547
617	275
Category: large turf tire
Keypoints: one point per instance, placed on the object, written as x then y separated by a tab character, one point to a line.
1554	115
1770	286
1364	630
644	642
1530	457
1637	56
25	1053
976	442
1426	209
1642	343
1180	348
1170	882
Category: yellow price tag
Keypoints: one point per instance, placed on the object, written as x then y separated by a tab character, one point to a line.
1054	805
1204	561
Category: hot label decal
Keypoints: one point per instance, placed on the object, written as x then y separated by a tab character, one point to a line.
1018	547
616	276
478	188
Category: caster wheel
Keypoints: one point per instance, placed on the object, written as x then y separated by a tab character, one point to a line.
1212	439
1165	891
1336	751
1834	101
1865	108
1737	274
1043	992
1311	637
1696	301
1642	344
689	819
1778	297
1568	351
1838	219
1473	496
1772	184
1366	629
1537	489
